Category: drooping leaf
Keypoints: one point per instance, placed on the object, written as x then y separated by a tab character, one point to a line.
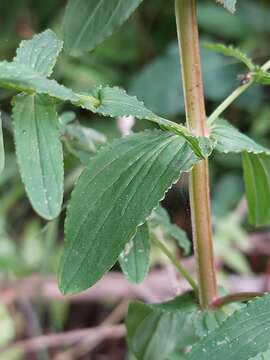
161	219
232	52
40	53
134	260
114	195
39	152
88	22
2	149
256	162
228	4
155	331
242	336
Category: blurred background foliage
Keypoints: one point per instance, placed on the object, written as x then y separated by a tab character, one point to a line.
142	57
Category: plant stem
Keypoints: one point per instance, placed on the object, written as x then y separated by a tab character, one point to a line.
187	28
181	269
233	96
246	296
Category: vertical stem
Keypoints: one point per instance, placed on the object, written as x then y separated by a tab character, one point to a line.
187	29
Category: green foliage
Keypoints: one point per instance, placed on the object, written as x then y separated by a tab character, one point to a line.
242	336
114	195
256	168
39	152
155	331
88	22
135	258
40	53
232	52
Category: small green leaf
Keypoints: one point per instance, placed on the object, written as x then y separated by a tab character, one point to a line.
115	194
242	336
40	53
256	163
88	22
161	219
39	152
134	260
155	331
232	52
228	4
257	183
2	149
261	77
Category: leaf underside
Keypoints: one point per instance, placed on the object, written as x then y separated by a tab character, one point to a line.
39	152
88	22
115	194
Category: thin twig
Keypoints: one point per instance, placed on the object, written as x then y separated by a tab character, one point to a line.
67	338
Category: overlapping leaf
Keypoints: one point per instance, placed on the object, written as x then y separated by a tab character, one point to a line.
256	161
242	336
88	22
114	195
154	331
134	260
39	152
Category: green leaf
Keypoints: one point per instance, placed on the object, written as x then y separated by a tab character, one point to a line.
256	163
40	53
232	52
261	77
161	219
242	336
155	331
20	77
39	152
228	4
116	102
88	22
115	194
135	259
2	149
257	183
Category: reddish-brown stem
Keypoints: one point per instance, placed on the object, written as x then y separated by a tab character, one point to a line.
187	28
245	296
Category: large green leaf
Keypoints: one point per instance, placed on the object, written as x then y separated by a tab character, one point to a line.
154	331
2	149
39	152
135	258
40	53
114	195
242	336
256	162
88	22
